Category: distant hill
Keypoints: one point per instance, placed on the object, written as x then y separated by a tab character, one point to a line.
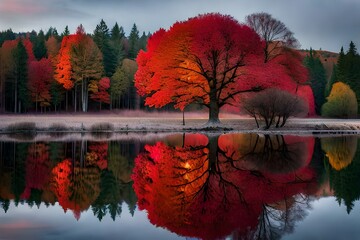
328	59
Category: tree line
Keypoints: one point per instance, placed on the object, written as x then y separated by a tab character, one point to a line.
79	72
48	71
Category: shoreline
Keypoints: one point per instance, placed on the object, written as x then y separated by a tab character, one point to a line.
161	123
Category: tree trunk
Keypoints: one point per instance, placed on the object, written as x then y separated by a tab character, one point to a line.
214	109
213	151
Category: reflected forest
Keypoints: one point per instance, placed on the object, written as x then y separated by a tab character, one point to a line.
211	186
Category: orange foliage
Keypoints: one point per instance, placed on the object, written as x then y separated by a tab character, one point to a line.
63	73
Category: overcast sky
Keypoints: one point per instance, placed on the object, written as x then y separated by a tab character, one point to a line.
326	24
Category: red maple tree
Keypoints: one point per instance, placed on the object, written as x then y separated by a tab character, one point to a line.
209	59
102	95
40	78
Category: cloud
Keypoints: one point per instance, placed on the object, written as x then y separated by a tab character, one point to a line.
21	7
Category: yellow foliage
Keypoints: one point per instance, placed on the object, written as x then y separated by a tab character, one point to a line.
340	151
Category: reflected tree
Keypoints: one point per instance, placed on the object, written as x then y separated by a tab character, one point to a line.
210	180
343	154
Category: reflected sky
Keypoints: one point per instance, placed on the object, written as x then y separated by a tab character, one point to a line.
328	220
52	223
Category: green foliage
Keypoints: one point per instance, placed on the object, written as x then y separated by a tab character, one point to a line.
117	41
333	79
341	102
317	80
122	79
133	42
66	32
21	58
6	35
39	47
348	69
346	181
102	40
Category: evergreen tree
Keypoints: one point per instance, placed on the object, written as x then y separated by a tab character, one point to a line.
102	40
51	32
333	79
117	33
348	69
6	35
341	66
117	43
22	98
317	79
39	47
56	92
133	42
345	182
66	32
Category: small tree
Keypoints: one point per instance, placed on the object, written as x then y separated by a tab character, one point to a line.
341	103
274	106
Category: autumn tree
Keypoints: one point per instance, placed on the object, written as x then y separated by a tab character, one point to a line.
79	64
40	80
274	106
274	33
210	60
86	63
341	102
102	95
203	187
200	60
340	151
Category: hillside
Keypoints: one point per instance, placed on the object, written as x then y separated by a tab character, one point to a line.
328	59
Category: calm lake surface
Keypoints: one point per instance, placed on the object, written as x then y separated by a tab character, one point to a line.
181	186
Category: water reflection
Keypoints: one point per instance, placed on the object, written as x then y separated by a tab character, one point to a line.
343	168
211	186
245	186
77	175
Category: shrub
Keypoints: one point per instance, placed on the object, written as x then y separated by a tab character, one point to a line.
274	106
341	103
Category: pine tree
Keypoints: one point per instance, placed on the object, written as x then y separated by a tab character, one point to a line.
22	98
117	43
349	69
66	32
333	79
133	42
317	79
102	40
39	46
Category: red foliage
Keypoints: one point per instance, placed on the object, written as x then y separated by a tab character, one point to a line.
40	78
203	192
179	64
37	168
102	94
97	155
211	53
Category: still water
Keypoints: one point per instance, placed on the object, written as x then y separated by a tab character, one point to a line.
193	186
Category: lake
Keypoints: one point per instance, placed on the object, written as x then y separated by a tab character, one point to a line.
180	186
